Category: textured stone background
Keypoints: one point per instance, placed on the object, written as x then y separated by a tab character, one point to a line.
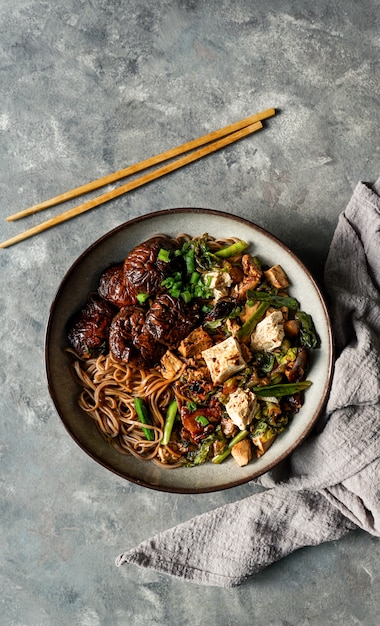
87	87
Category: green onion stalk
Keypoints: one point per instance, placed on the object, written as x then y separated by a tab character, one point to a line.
171	414
232	250
239	437
250	325
144	417
278	391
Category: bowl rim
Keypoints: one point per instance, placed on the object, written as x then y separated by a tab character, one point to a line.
173	489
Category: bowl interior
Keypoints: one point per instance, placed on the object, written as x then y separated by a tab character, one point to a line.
83	277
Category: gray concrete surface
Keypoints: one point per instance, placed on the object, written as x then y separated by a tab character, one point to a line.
87	87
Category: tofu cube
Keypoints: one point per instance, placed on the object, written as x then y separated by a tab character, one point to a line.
268	333
219	282
224	360
194	343
171	365
241	407
277	277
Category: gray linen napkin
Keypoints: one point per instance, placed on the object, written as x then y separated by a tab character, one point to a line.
330	485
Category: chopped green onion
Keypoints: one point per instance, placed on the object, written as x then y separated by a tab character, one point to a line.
169	422
163	255
202	420
143	415
194	278
201	291
186	296
189	257
191	405
235	248
168	282
239	437
142	297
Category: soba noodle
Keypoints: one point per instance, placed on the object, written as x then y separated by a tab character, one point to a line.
109	389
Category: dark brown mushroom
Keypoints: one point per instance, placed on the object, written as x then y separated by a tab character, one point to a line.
151	351
88	329
124	331
222	309
144	271
112	286
199	423
169	319
295	371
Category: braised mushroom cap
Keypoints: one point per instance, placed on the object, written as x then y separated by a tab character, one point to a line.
222	309
144	271
112	286
169	319
296	370
88	329
150	350
124	331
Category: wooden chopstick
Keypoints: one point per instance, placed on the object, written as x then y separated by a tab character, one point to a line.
138	182
142	165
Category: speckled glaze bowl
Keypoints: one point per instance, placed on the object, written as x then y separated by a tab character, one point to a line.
83	277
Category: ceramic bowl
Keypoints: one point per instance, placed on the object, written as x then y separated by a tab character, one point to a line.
82	278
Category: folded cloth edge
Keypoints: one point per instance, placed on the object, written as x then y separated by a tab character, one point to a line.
199	557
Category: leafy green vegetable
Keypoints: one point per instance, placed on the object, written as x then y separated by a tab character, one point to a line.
198	250
308	333
260	428
214	324
273	300
201	455
287	357
265	361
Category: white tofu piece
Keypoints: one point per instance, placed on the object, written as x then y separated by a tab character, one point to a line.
219	282
277	277
224	360
241	407
268	333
